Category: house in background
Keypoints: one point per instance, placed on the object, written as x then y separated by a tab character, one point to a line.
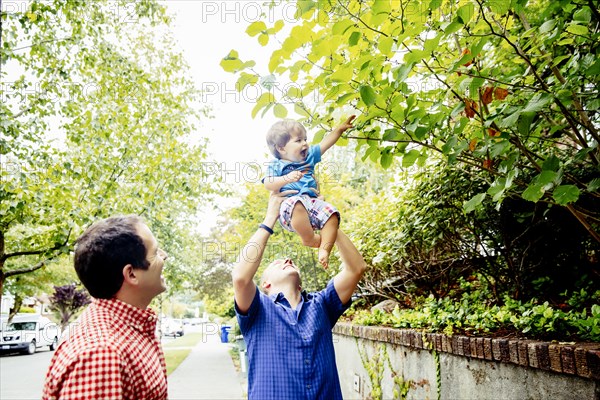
40	304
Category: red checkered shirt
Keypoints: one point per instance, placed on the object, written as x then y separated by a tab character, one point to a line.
111	352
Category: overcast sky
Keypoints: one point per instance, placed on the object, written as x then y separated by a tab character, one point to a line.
207	31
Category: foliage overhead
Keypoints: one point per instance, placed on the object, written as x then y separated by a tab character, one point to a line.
507	87
97	117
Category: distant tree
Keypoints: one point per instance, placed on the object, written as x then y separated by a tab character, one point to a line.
84	133
66	300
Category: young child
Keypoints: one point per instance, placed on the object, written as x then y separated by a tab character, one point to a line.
293	169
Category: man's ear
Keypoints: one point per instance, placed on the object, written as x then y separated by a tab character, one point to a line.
129	275
266	285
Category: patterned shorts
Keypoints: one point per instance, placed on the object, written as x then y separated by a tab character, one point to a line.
319	211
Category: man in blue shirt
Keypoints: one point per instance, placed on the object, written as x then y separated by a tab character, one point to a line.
287	331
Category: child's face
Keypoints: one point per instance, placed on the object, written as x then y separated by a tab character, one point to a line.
296	148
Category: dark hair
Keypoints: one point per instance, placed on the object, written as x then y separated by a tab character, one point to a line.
104	249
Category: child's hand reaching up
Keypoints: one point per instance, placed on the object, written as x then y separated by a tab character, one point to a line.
344	126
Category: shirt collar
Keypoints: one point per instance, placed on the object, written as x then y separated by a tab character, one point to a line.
279	296
126	314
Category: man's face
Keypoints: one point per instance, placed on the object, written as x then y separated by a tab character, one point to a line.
151	280
280	271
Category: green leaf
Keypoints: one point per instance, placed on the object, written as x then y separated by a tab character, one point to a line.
500	7
534	192
524	122
476	49
244	80
304	6
547	26
435	4
263	39
385	45
319	136
538	102
452	28
511	120
279	24
409	158
386	159
231	63
472	204
262	101
381	7
566	194
294	93
300	110
402	72
583	15
367	94
343	74
594	185
466	12
255	28
280	111
354	38
497	189
546	178
391	134
551	163
594	69
341	26
577	29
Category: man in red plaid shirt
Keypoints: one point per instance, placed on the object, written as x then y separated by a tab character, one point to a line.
112	351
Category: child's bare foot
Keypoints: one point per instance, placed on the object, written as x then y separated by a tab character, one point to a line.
324	257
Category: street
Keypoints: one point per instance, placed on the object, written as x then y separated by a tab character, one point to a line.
22	376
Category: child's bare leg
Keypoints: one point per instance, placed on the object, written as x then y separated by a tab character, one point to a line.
301	224
328	236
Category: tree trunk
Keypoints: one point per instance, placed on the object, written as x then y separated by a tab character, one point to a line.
1	284
15	308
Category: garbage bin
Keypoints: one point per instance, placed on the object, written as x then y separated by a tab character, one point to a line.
225	333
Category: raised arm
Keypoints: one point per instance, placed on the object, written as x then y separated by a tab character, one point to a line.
353	268
249	259
333	137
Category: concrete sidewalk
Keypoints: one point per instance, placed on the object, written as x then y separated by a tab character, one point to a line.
207	373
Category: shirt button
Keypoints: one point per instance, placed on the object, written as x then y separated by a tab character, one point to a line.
305	337
308	386
306	362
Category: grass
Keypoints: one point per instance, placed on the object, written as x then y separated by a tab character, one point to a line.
177	350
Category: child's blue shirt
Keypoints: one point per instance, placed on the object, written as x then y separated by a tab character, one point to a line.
279	167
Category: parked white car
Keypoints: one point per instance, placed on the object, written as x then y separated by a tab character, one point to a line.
28	332
172	327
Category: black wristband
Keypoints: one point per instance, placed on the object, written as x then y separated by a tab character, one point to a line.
266	228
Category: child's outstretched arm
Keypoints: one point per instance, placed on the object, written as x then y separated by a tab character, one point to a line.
275	183
333	137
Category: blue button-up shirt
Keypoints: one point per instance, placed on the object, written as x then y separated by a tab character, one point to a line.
290	352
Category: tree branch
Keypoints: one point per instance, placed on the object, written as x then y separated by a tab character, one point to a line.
57	246
356	17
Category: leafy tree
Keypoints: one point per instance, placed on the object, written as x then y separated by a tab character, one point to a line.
506	87
421	242
97	117
67	300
